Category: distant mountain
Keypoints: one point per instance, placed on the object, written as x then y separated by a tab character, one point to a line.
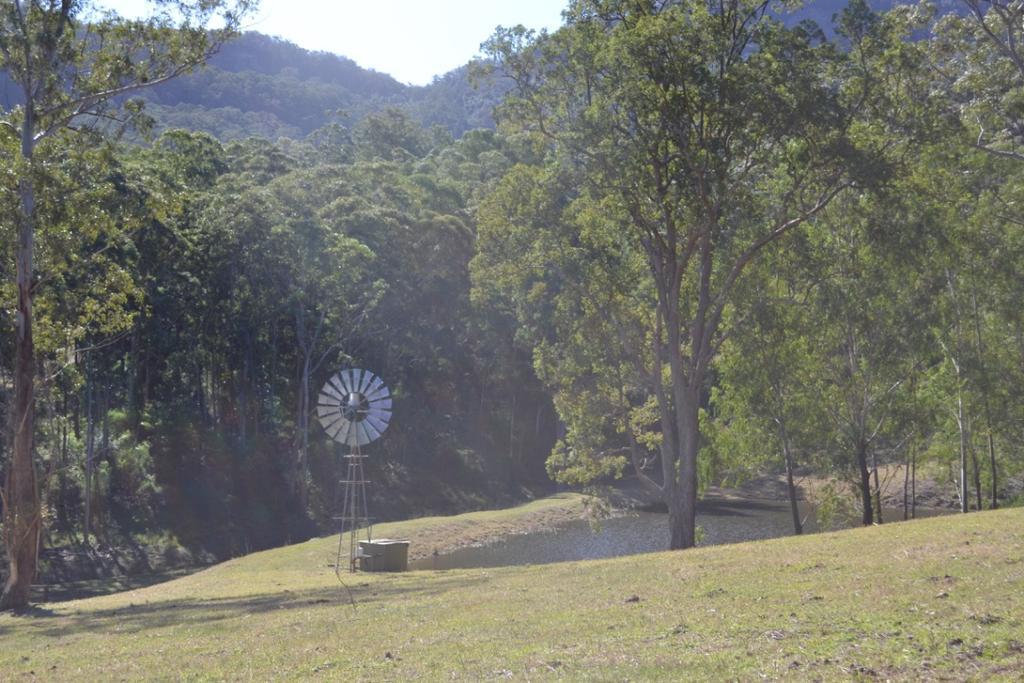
259	85
262	86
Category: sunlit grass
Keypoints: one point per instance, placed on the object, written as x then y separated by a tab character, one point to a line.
939	598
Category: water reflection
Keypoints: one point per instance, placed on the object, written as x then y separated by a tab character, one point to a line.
723	521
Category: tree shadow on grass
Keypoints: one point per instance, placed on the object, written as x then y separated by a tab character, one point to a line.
90	588
137	618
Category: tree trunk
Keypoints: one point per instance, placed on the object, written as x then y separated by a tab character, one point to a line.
985	400
878	486
963	444
682	491
132	409
22	519
677	522
867	511
798	527
992	465
977	475
90	450
63	523
512	430
242	400
906	488
913	485
106	454
960	418
301	461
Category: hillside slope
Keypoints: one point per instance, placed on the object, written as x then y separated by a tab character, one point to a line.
940	599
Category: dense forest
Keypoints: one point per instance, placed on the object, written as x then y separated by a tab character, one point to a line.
251	271
700	244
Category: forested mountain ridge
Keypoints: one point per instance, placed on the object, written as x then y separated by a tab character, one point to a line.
268	87
262	86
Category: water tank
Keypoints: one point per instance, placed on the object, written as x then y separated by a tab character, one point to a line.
384	555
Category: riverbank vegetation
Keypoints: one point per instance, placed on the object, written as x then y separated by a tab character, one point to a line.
705	240
932	599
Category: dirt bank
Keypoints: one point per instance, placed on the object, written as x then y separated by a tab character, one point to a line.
933	491
441	536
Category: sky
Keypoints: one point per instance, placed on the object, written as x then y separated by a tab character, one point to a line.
412	40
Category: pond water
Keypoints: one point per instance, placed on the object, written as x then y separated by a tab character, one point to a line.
723	521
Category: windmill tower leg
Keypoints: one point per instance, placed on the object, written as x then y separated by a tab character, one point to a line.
355	514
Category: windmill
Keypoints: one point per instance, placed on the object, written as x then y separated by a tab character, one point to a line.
354	408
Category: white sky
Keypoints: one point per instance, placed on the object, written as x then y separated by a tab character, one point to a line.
412	40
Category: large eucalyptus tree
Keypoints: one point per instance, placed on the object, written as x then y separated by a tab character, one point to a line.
706	130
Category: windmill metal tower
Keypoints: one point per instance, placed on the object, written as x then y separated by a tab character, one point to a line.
354	408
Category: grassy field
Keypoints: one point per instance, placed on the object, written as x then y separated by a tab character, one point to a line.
936	599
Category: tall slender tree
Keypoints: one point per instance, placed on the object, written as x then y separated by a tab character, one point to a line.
75	66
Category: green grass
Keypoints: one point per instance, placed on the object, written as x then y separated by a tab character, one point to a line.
937	599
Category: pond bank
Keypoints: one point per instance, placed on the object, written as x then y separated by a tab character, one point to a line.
442	535
721	519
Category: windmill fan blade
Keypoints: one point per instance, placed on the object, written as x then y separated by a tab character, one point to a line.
329	421
323	411
371	431
377	424
381	404
328	415
337	383
355	378
329	393
353	435
365	382
341	434
327	400
375	384
364	435
338	427
380	410
378	393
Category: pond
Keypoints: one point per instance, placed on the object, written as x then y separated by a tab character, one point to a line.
723	521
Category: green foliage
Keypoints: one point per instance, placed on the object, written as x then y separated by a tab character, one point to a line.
216	286
977	64
677	141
